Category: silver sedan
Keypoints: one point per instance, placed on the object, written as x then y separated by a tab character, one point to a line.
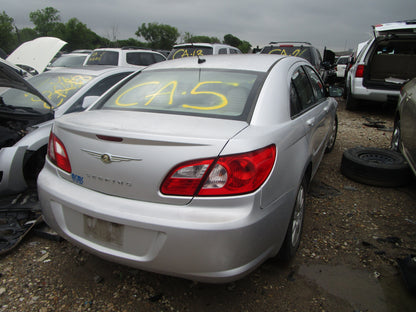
196	168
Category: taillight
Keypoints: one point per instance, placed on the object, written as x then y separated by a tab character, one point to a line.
359	73
57	153
226	175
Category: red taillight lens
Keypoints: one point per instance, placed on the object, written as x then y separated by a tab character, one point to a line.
228	175
57	153
359	73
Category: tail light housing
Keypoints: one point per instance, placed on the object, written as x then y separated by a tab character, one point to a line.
359	73
222	176
57	153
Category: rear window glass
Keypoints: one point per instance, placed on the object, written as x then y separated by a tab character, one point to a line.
103	58
180	52
215	93
304	52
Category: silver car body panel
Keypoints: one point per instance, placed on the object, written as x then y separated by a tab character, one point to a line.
212	239
407	112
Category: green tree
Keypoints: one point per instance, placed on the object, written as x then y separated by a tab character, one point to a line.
245	46
159	36
6	32
232	40
45	21
79	36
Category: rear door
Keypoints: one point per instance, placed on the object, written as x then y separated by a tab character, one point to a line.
309	103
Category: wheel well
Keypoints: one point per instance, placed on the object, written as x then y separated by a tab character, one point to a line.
308	175
33	164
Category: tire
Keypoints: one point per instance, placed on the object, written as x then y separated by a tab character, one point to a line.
294	230
333	136
350	102
375	166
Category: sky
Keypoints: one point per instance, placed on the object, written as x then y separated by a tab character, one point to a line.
334	24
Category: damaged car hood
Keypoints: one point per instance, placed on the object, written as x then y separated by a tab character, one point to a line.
37	53
9	78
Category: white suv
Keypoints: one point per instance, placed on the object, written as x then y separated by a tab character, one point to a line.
383	64
127	56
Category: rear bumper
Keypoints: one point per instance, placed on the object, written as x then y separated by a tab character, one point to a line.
360	92
209	240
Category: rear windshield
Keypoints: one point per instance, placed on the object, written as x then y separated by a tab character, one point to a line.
180	52
301	51
103	58
210	93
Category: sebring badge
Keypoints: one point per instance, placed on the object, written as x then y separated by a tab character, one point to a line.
108	158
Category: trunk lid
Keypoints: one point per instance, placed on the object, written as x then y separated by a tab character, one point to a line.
135	151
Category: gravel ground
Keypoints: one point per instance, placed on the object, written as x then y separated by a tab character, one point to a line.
347	260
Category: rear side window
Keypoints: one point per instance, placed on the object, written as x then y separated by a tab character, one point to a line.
301	94
103	58
216	93
316	83
222	51
140	58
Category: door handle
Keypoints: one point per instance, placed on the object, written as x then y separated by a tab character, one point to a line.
310	122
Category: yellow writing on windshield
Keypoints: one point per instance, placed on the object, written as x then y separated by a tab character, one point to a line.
296	52
204	95
120	103
222	102
187	53
171	85
58	90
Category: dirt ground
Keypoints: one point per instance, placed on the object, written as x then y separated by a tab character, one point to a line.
347	261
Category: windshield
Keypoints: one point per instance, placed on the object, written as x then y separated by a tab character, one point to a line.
211	93
58	88
69	60
187	51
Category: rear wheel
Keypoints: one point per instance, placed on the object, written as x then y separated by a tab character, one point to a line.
333	136
294	231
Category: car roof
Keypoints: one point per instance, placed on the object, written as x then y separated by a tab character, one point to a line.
129	49
203	44
94	70
251	62
303	43
395	28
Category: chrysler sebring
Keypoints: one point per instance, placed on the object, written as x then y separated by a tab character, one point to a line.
196	168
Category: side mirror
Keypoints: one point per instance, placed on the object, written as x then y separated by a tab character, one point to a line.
89	100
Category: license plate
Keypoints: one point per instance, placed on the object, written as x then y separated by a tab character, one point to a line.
104	231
